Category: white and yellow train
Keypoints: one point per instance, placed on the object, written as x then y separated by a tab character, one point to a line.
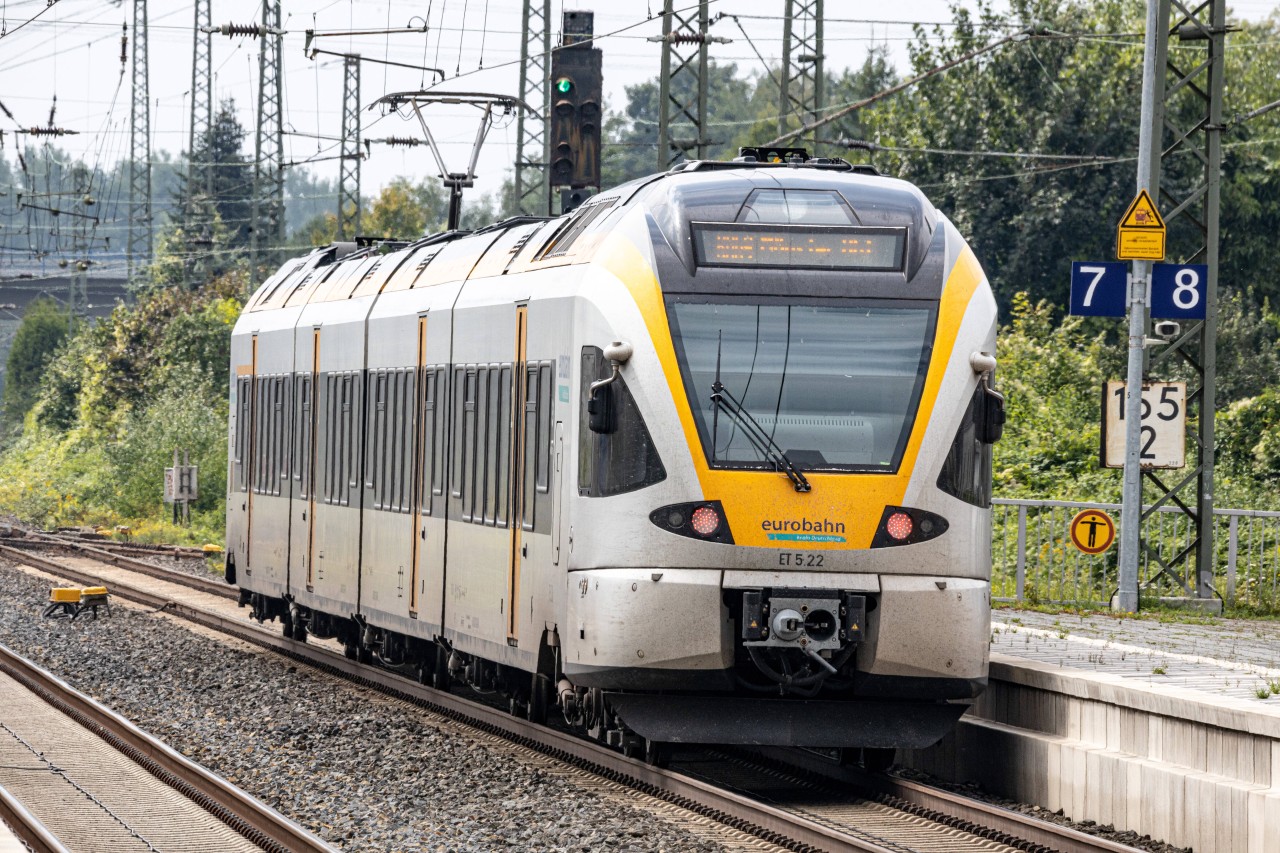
706	460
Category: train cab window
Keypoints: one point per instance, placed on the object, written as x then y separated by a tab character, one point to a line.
835	386
620	461
966	472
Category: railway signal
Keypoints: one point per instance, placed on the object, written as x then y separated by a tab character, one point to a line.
577	93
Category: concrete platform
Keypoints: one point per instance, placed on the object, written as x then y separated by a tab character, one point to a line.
1153	727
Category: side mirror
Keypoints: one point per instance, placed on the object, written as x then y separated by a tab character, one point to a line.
600	410
990	415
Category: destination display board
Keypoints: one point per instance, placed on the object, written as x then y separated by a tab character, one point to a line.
824	247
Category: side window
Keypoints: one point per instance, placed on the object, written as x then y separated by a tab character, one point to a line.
432	440
536	482
351	440
620	461
376	451
464	420
302	435
340	442
244	425
966	472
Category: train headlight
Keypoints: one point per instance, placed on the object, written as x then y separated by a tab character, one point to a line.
905	526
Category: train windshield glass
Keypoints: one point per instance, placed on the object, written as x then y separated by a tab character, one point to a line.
835	387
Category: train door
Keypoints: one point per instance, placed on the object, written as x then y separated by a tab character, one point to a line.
303	505
419	493
517	553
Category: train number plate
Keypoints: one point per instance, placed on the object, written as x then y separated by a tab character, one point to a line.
800	559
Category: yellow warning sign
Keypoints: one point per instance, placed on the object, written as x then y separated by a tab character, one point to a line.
1093	531
1141	232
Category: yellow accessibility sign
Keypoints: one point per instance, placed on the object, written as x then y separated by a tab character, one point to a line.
1141	232
1092	531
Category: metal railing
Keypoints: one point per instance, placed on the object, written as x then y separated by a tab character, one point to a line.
1034	561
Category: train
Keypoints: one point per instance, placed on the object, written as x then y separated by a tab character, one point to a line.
705	460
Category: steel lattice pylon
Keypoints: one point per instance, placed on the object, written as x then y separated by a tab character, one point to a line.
268	147
1189	115
532	190
349	162
682	90
802	93
138	252
199	201
201	123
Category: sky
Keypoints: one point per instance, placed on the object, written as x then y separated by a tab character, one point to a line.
72	49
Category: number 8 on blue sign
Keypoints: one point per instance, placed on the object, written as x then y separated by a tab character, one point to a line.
1178	291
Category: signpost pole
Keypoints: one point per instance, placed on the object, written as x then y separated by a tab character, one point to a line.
1126	599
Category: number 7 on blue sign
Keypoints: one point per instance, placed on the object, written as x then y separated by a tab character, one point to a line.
1098	289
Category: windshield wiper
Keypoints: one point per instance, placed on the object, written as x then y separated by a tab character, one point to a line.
761	440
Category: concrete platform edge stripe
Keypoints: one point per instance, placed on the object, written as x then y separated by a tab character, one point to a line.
26	826
217	796
1245	669
1221	711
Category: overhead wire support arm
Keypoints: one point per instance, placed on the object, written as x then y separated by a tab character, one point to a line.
312	53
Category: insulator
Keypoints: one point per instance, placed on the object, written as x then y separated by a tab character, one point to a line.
404	141
688	38
254	30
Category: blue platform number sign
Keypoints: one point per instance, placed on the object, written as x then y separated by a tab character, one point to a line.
1098	288
1178	291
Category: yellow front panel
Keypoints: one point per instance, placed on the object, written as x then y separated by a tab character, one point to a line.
844	509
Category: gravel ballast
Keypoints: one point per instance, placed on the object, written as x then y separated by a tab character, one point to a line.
362	771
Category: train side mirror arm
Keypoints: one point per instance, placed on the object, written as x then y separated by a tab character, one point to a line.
989	417
601	408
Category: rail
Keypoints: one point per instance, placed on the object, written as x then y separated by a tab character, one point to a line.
253	819
1033	560
776	824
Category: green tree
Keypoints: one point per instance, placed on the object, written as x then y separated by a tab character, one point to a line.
42	331
403	210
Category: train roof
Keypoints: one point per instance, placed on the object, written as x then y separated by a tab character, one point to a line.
693	191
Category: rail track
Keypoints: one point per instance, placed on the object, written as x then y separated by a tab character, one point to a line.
796	800
113	736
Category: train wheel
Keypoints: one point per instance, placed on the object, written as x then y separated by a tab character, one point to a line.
286	627
657	753
364	654
440	676
878	760
539	699
299	627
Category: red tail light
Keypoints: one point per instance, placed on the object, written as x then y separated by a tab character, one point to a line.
705	521
899	526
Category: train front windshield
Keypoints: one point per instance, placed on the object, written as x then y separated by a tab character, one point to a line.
834	387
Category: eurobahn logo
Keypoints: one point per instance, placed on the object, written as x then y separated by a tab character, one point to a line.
804	530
